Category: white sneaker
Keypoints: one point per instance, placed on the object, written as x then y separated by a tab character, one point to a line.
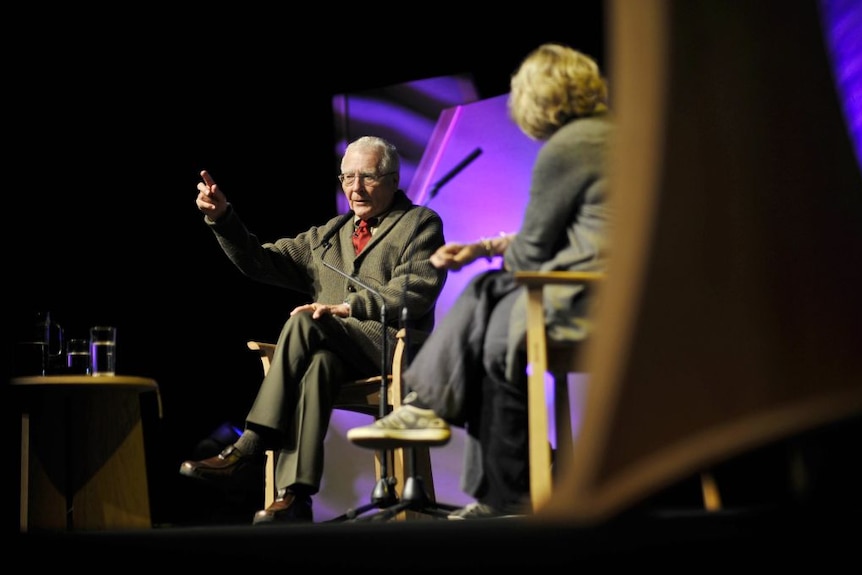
407	426
478	511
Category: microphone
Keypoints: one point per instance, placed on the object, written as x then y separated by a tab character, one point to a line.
334	229
451	174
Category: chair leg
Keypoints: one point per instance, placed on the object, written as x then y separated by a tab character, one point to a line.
396	461
709	489
562	416
269	488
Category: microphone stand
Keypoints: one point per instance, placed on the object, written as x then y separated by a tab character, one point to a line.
383	494
414	497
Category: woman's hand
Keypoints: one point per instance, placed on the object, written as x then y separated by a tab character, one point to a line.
454	256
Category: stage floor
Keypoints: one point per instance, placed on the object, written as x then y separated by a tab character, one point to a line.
821	537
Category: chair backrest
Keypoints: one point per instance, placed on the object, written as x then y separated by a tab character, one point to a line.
731	317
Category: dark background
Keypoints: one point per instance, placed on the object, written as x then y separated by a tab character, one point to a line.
109	120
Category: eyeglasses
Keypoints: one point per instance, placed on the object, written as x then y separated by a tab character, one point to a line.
367	179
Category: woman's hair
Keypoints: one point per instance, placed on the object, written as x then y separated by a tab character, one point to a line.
553	85
390	161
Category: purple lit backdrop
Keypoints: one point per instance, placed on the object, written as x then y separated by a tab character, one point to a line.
490	194
405	114
842	22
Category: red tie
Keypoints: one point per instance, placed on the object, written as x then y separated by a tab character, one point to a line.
362	234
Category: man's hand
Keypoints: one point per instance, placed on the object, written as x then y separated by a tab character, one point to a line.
211	201
318	310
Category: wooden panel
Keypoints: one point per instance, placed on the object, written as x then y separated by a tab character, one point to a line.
110	486
731	317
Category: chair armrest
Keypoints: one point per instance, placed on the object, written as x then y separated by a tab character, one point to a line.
265	350
533	279
411	336
261	346
414	336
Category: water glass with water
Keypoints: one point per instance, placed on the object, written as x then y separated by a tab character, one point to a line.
103	350
78	356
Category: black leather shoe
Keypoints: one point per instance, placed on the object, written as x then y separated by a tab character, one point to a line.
228	464
287	508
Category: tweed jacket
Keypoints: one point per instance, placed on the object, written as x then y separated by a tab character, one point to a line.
395	263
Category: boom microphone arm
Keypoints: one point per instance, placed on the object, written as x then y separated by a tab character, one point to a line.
435	188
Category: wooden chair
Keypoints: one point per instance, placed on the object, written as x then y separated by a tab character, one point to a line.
559	360
546	358
363	396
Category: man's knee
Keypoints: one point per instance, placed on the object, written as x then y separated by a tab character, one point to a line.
299	323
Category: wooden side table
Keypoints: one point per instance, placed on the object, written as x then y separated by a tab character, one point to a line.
83	463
